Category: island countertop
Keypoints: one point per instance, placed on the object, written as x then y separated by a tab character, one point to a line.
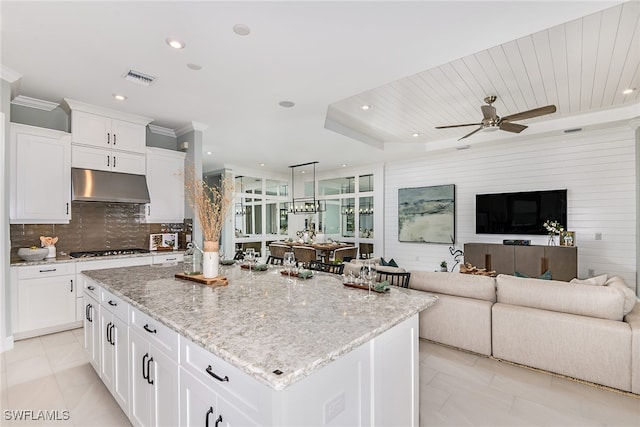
262	322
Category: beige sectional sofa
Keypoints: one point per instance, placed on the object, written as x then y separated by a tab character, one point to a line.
578	330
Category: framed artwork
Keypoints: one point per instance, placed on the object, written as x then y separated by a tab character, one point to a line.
427	214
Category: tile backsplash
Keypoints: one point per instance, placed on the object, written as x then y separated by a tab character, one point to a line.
94	226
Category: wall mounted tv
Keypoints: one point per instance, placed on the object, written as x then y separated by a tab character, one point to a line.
520	213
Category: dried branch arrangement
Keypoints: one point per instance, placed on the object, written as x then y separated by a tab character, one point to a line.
210	203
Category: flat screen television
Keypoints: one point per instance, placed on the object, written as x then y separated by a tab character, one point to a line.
520	213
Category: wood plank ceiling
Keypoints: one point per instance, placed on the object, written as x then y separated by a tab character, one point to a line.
581	66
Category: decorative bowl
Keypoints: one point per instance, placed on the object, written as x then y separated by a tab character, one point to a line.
33	254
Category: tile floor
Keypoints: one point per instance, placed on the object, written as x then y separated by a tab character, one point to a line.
456	389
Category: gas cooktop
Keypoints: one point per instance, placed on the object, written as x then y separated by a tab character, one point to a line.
109	252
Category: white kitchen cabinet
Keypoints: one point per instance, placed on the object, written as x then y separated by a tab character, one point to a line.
154	393
114	347
85	157
103	131
91	323
44	299
40	168
165	178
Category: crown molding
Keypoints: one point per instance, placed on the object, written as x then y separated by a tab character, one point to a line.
634	123
9	75
159	130
39	104
193	126
101	111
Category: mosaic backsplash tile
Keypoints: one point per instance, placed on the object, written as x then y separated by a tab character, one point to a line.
94	226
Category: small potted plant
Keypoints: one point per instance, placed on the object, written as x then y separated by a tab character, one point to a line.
443	266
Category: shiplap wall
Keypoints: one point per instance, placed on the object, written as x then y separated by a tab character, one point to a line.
597	168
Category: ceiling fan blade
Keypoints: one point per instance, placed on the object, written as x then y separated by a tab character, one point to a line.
488	111
471	133
457	126
512	127
531	113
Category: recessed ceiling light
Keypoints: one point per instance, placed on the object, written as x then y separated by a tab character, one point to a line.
286	104
303	172
119	97
175	43
209	153
261	164
628	91
415	134
344	165
241	29
195	67
365	107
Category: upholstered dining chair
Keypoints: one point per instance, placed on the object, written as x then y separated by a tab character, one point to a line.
327	268
346	254
366	250
304	254
275	260
400	279
278	250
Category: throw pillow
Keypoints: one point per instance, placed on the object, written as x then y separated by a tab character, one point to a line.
390	263
629	295
593	281
544	276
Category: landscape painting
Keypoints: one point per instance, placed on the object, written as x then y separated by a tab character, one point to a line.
427	214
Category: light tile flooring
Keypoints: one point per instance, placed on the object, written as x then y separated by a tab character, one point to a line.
456	389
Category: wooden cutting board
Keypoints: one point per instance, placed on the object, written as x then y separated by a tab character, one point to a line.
216	281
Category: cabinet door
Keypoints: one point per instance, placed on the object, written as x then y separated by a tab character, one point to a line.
128	136
40	176
166	186
197	402
91	158
128	162
90	129
46	302
120	338
163	371
107	350
230	416
141	390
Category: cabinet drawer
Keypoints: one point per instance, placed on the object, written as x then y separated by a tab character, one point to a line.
240	389
167	258
154	331
91	288
46	270
115	305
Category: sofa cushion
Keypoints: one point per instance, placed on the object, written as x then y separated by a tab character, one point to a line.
595	301
629	296
456	284
390	263
595	281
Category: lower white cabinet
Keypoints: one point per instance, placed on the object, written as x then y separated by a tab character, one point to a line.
92	324
114	346
45	299
154	393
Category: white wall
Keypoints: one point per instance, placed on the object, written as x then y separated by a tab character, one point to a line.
597	168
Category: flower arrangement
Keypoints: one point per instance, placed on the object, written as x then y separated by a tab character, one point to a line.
210	203
553	227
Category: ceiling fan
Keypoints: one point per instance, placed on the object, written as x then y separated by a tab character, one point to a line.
492	120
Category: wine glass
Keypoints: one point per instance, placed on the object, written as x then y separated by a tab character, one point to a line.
369	274
250	255
289	261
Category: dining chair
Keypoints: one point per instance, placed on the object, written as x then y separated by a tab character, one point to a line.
345	254
304	255
400	279
327	268
275	260
366	250
256	246
239	256
278	250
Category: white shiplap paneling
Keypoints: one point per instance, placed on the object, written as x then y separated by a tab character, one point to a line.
597	168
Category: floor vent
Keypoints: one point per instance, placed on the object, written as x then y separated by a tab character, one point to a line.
139	78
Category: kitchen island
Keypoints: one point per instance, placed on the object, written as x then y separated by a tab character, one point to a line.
270	350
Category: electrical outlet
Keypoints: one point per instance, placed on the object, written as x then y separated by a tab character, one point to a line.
333	408
591	272
598	236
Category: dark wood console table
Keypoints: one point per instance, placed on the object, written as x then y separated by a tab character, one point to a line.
532	260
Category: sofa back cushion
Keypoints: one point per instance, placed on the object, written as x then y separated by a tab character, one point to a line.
455	284
602	302
629	296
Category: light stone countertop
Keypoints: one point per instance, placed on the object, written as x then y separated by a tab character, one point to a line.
60	258
261	321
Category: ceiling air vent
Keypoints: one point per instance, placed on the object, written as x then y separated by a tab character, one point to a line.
139	78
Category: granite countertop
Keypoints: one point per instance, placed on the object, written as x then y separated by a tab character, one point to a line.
261	322
61	258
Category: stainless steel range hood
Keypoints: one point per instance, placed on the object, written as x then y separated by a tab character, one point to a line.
100	186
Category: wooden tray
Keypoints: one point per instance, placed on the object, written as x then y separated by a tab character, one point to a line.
284	273
216	281
246	267
362	286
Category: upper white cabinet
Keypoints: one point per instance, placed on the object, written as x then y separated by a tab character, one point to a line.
165	179
40	175
108	140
